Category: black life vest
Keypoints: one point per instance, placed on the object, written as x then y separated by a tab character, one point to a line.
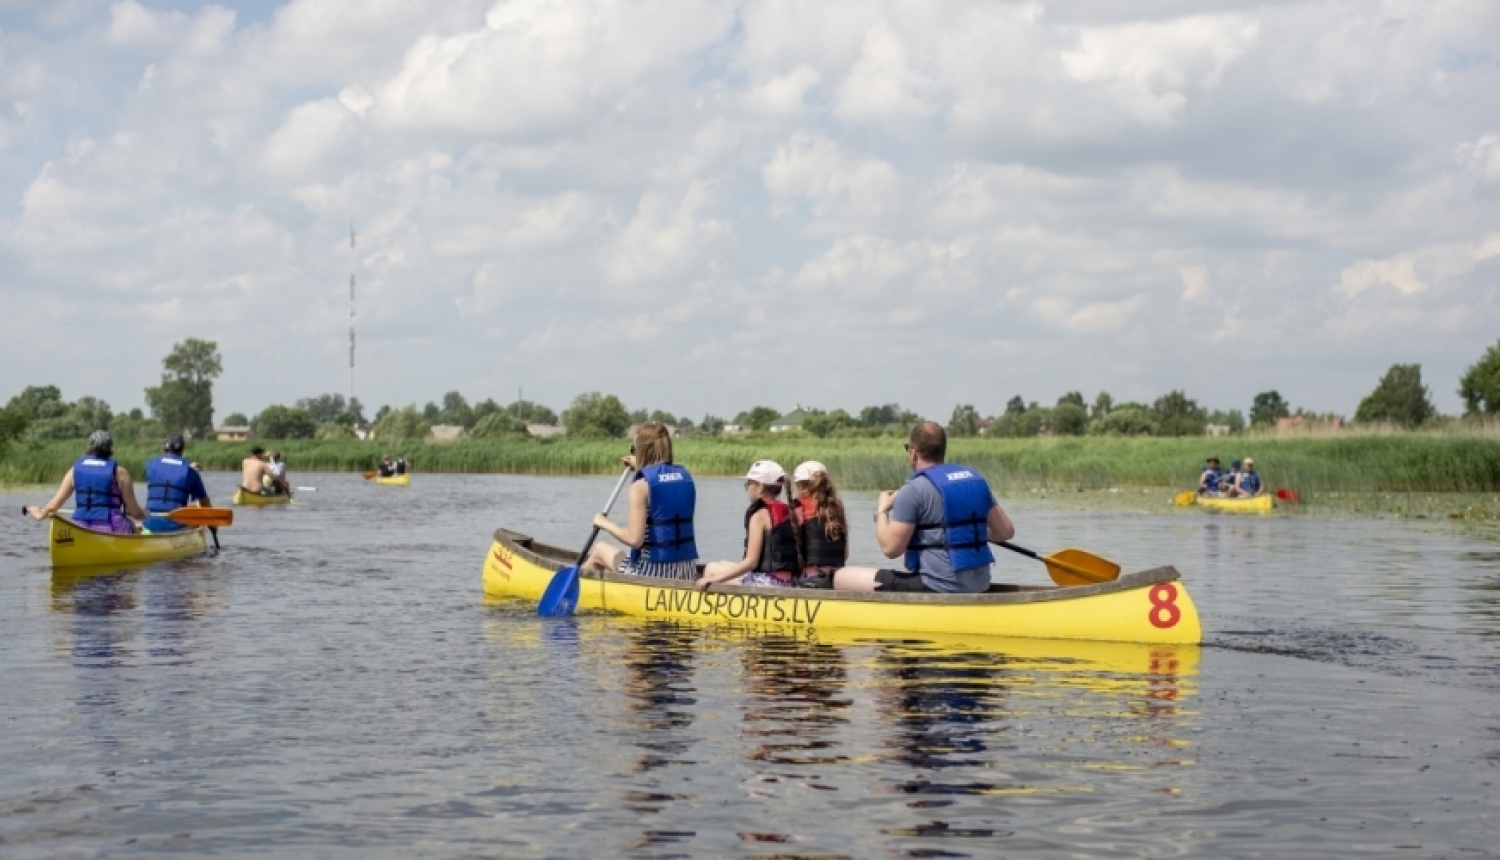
818	550
778	552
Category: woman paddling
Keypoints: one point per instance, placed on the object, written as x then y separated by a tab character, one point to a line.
660	529
771	557
103	493
822	528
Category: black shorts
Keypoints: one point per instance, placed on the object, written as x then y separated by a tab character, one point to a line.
899	580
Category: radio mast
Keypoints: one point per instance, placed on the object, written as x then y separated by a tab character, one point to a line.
352	262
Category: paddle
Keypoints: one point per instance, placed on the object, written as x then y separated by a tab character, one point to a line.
561	596
1071	566
1184	498
369	475
307	489
193	517
1291	497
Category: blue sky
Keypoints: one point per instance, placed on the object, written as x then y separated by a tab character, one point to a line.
704	205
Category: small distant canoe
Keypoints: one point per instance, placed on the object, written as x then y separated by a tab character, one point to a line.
395	480
1151	606
255	499
72	545
1261	504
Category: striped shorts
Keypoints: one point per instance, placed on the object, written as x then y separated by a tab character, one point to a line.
687	570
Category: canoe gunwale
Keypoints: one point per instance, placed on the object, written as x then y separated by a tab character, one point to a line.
555	558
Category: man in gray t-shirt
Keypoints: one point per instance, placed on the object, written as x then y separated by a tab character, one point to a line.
899	513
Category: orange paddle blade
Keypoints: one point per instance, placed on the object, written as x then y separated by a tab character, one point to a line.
1184	498
369	475
1080	567
213	517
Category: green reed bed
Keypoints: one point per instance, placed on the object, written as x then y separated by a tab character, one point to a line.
1400	464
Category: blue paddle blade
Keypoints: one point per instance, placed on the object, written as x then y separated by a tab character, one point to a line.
561	596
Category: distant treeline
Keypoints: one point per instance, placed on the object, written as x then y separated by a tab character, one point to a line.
1404	463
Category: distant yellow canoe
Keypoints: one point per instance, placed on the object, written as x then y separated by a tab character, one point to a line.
1150	606
72	545
395	480
1261	504
255	499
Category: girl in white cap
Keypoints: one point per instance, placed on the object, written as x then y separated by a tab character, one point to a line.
822	528
770	539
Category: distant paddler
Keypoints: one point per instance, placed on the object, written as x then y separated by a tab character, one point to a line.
103	494
1247	482
278	473
256	476
171	483
1209	479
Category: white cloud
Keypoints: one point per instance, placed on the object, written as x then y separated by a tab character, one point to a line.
1413	272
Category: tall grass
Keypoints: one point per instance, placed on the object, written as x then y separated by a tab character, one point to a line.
1397	463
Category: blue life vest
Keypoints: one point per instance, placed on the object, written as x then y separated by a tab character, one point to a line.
670	500
1249	483
96	494
966	510
1210	480
166	484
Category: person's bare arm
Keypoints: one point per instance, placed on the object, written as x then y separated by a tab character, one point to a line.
634	533
64	490
759	525
127	493
890	535
1000	525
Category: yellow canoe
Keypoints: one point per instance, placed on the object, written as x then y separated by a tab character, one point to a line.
1261	504
256	499
72	545
1150	606
395	480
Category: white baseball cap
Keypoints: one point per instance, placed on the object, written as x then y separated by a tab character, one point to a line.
765	472
806	470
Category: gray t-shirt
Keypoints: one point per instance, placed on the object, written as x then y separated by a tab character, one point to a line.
920	502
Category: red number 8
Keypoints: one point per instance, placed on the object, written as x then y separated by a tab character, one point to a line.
1164	612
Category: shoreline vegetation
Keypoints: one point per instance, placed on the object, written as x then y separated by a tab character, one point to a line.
1407	463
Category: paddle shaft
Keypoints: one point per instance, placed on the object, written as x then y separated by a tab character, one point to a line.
185	516
594	535
1053	562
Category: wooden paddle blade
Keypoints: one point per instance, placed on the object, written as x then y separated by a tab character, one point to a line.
369	475
561	596
1184	498
214	517
1080	567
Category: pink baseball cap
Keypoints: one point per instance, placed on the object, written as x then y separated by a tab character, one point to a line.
805	471
765	472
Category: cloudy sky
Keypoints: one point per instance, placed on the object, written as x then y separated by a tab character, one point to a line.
703	205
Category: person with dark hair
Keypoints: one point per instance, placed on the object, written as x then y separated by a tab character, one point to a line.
171	483
941	520
1209	480
771	558
255	473
659	531
401	464
102	491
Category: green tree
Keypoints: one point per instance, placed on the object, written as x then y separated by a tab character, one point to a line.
456	411
1179	415
237	419
666	418
13	421
1399	398
38	403
323	409
401	425
534	413
1234	419
484	409
964	422
134	426
711	425
1102	405
1075	398
498	425
1480	384
1267	409
331	430
1069	418
1129	419
184	402
598	415
757	420
283	422
823	424
1015	406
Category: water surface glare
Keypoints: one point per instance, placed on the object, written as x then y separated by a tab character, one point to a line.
333	684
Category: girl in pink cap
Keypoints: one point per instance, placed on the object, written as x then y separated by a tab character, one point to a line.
770	538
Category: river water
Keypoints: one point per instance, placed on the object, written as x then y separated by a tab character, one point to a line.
334	685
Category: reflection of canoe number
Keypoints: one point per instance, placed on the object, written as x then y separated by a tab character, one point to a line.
1164	613
64	536
794	609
